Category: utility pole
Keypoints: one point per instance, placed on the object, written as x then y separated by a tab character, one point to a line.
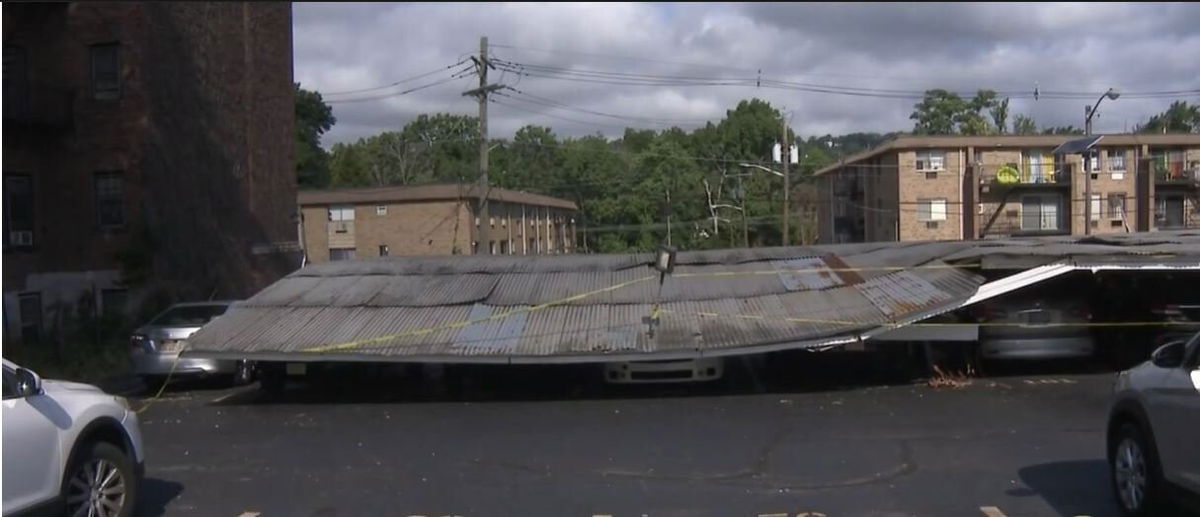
786	149
742	200
668	216
485	225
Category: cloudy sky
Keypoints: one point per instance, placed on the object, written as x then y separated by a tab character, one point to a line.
1075	48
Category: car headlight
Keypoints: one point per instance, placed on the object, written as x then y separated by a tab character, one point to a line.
124	402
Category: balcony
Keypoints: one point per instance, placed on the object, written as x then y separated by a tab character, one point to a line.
1175	172
1011	175
40	107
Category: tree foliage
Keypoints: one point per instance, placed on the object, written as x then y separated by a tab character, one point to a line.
1024	125
313	119
1180	117
942	112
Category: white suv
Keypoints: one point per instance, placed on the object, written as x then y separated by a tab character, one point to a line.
68	445
1154	430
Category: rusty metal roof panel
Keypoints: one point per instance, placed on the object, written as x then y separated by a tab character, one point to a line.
692	283
431	290
492	329
805	274
716	300
283	292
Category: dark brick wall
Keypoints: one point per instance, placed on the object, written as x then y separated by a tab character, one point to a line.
202	131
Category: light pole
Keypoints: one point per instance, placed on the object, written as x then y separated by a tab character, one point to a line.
1089	112
785	201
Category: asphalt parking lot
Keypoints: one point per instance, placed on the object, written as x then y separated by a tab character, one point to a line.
1027	442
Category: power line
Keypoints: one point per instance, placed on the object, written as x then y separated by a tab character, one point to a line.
558	104
395	83
642	79
755	71
396	94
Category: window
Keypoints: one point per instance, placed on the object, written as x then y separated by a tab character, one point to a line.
30	306
18	211
16	81
491	247
1096	206
504	247
341	213
1039	212
1116	206
930	210
336	254
931	160
1116	163
1039	166
383	250
113	301
10	384
110	199
379	210
1094	163
106	71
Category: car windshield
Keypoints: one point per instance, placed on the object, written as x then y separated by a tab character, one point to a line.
189	315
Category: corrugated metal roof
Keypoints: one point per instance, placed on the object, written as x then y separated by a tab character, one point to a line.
590	307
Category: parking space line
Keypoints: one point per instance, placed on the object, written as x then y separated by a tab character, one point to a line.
991	511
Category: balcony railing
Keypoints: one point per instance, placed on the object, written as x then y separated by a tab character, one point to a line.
1014	174
1175	171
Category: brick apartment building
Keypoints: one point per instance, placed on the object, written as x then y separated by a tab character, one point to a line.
916	188
148	156
431	220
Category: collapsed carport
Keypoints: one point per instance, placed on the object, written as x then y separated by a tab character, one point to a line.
602	308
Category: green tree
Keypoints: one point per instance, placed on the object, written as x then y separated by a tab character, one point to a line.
348	165
938	113
452	142
999	114
313	119
1180	117
942	112
1024	125
1061	130
533	158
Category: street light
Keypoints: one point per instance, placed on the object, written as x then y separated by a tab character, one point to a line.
1090	111
770	170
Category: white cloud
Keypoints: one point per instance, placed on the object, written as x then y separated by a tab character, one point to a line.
961	47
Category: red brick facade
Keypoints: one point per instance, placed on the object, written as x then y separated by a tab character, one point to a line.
200	131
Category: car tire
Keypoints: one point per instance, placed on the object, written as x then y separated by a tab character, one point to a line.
1135	473
116	490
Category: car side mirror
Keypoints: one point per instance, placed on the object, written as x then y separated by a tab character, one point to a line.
28	383
1169	355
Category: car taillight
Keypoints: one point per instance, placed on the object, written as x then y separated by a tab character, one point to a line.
140	343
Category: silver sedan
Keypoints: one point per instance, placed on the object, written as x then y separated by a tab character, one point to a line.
155	347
